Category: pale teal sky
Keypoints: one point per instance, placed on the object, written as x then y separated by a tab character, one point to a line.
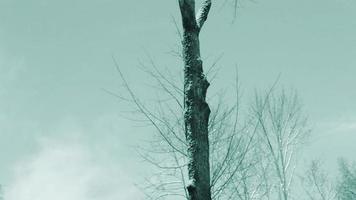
55	58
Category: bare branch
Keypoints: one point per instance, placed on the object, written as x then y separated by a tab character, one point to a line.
187	9
203	12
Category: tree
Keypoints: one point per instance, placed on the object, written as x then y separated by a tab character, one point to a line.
346	187
230	139
241	162
282	128
196	109
1	193
233	171
317	184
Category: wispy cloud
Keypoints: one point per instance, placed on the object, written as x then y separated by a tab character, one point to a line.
347	125
68	171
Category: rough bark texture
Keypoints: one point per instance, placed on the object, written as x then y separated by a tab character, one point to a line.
197	111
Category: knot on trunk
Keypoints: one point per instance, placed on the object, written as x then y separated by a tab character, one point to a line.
204	84
191	187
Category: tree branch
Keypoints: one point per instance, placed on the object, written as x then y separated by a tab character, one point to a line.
203	13
187	9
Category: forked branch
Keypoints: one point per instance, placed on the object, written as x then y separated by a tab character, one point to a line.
203	13
190	21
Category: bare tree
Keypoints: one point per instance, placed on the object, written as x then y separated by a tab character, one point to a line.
230	139
218	149
241	167
282	128
316	183
1	193
196	110
346	187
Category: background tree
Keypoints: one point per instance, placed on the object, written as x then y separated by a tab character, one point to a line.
317	184
282	129
346	187
1	193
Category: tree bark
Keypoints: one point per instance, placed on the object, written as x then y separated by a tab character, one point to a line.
196	109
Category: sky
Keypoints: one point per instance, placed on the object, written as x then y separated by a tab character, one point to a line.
59	128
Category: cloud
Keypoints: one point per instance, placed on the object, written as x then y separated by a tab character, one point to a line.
62	170
347	125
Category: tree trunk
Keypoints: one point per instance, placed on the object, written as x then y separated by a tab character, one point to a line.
196	110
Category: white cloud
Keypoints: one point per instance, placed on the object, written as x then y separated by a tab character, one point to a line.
67	171
347	125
